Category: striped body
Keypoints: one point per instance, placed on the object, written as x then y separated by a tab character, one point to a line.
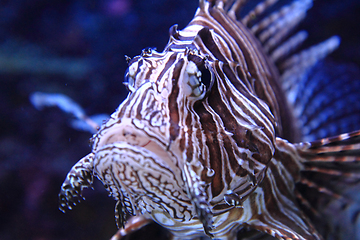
198	145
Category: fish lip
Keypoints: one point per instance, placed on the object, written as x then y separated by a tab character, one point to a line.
113	176
124	169
116	163
124	132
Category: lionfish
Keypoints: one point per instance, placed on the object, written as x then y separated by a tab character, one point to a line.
210	142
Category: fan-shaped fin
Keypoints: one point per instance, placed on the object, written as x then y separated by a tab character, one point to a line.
257	11
288	46
330	180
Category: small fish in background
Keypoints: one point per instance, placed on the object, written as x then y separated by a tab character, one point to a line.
227	132
81	122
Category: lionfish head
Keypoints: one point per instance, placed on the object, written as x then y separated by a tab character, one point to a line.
140	151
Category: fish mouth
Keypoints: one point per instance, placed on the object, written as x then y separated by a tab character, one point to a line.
135	141
135	134
133	176
114	166
119	155
133	166
124	132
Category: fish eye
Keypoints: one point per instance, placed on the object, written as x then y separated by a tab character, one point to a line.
128	81
126	77
206	78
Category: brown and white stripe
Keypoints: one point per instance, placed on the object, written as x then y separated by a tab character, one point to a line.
197	145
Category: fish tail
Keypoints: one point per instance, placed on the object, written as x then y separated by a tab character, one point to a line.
328	188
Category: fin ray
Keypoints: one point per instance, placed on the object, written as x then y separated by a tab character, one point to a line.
330	179
257	11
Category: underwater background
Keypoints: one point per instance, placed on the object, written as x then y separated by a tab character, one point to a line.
77	48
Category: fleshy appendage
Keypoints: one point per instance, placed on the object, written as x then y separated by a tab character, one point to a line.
79	177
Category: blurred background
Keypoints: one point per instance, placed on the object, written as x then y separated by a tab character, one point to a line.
77	48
